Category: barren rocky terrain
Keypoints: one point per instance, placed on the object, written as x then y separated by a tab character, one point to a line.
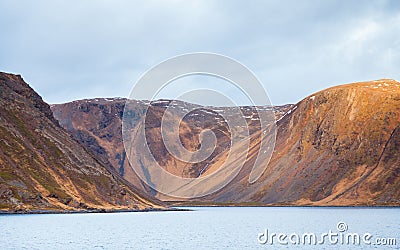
42	168
339	146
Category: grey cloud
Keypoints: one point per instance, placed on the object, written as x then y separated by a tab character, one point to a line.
89	48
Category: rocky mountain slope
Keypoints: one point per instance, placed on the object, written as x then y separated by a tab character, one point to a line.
339	146
43	168
97	124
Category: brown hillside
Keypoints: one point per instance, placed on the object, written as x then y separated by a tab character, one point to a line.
336	147
43	168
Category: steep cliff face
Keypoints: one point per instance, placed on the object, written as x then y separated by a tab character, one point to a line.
97	124
336	147
100	120
43	168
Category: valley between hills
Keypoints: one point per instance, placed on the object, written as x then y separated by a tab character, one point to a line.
336	147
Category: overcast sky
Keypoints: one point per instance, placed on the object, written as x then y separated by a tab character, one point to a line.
69	50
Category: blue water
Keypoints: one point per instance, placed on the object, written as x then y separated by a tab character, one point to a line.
204	228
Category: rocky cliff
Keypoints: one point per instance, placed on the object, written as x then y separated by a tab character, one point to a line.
339	146
97	123
43	168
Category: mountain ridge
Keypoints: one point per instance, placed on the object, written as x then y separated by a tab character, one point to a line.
325	144
42	168
325	124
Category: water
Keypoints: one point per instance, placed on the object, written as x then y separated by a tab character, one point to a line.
204	228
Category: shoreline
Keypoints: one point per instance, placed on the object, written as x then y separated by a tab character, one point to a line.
98	211
183	208
184	204
281	206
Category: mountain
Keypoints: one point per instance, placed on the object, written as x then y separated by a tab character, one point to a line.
97	124
42	168
339	146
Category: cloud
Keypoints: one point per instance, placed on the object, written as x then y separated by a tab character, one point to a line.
100	48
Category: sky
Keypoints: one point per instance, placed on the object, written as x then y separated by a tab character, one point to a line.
84	49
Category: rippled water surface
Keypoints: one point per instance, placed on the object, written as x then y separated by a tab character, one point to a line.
203	228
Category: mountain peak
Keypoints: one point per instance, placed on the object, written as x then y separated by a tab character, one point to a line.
14	88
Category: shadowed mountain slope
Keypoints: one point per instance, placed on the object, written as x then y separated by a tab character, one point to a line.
43	168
